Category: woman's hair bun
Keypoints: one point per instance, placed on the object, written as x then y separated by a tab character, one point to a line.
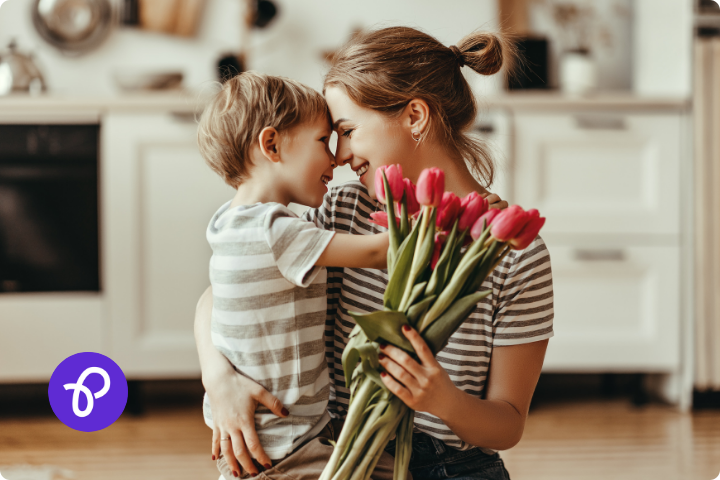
483	52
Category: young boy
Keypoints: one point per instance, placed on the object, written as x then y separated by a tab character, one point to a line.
268	138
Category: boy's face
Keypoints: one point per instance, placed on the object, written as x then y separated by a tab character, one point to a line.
307	161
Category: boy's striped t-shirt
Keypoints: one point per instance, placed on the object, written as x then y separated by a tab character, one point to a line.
268	317
519	309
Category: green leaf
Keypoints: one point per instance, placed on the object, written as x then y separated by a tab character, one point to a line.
417	310
392	221
351	354
439	332
417	291
439	275
485	267
452	289
384	325
404	222
396	284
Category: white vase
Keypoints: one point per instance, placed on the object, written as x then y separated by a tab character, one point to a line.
578	73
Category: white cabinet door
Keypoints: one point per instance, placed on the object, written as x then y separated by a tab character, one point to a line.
616	308
600	173
157	199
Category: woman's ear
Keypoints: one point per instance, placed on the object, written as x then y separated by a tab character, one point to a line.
269	143
417	114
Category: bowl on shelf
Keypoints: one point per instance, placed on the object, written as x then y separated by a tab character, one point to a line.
137	81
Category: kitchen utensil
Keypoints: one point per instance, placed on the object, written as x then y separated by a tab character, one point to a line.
73	26
138	81
176	17
19	73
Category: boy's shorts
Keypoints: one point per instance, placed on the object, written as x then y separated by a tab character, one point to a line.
309	460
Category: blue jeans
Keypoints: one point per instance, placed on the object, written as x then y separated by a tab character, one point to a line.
431	459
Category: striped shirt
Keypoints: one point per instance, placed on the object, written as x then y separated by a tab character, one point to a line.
268	316
519	310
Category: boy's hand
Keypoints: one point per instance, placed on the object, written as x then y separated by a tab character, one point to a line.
494	200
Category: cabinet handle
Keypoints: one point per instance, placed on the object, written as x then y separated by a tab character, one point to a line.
600	122
599	255
485	128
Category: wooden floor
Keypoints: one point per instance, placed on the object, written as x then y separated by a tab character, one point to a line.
583	438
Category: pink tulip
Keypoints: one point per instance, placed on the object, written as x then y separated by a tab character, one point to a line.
484	220
430	187
448	211
395	182
439	242
412	204
508	223
381	219
528	233
472	207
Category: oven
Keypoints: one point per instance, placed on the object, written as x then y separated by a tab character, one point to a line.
49	239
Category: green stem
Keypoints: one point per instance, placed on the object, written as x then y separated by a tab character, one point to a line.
352	422
396	412
376	419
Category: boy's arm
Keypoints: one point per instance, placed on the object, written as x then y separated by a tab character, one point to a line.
356	251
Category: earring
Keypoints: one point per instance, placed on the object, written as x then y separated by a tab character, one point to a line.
417	139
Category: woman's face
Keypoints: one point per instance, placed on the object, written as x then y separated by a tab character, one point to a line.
367	139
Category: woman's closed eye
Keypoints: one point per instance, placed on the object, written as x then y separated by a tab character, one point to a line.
347	133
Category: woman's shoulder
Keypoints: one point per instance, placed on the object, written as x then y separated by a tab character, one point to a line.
535	258
351	198
524	304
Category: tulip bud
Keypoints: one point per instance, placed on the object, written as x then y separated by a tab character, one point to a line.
448	211
484	221
472	206
508	223
430	187
412	204
395	182
528	233
381	219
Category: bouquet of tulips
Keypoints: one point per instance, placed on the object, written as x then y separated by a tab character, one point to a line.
441	250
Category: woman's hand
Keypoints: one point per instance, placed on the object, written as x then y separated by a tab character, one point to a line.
424	386
234	400
494	200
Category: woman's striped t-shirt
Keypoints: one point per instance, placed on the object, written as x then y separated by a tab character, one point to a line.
519	310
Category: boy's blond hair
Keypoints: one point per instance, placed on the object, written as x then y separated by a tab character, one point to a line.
247	103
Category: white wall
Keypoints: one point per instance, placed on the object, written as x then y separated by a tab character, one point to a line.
290	46
663	47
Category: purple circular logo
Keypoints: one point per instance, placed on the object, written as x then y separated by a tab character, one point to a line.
88	391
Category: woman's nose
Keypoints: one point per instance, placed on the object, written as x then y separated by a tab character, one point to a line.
343	155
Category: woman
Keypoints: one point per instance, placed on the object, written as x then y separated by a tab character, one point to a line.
397	95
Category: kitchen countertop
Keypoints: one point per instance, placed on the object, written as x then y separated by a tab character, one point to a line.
70	108
554	100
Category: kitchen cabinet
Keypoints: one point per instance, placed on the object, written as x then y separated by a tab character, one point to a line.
617	309
598	172
612	185
158	197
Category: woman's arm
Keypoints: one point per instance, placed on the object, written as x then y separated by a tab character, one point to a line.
496	422
356	251
233	398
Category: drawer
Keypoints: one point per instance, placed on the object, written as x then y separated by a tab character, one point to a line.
616	309
600	172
